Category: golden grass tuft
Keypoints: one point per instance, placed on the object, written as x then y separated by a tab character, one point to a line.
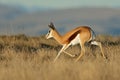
31	58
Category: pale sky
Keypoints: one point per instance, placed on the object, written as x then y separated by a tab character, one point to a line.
63	3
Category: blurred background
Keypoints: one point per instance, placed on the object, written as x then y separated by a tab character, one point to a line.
31	17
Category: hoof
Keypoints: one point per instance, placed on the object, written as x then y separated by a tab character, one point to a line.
75	55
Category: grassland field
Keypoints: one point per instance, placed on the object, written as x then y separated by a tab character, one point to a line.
31	58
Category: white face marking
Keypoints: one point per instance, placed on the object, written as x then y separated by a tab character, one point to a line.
76	40
49	34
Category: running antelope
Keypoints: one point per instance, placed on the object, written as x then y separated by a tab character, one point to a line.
79	35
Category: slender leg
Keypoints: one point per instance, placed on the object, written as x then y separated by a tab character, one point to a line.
69	54
100	45
57	56
63	48
82	52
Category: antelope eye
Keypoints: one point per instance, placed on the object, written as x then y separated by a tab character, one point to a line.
49	31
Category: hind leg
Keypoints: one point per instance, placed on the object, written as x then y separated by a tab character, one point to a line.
100	45
82	52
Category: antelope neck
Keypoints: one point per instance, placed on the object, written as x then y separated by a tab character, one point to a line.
57	37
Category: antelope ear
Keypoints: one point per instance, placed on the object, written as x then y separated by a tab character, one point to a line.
51	25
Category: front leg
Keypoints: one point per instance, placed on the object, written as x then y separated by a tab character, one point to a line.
63	48
69	54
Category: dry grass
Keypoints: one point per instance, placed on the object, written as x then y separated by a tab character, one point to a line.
31	58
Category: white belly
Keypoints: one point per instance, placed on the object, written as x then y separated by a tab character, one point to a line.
76	40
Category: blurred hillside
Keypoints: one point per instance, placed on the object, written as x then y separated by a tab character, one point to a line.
19	20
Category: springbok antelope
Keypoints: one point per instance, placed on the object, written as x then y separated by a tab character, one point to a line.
79	35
